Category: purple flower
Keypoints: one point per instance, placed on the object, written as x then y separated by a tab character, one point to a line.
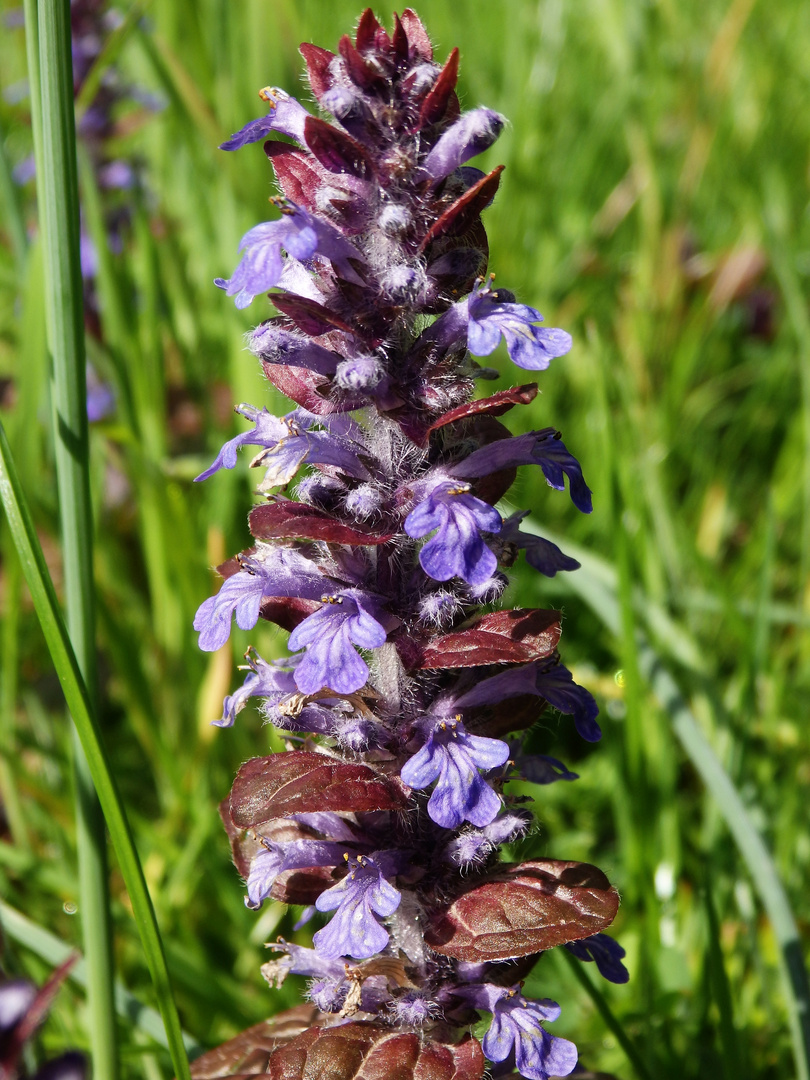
301	235
493	315
278	346
273	859
607	953
359	901
414	1009
543	448
328	994
540	553
70	1066
471	134
273	681
557	686
348	618
16	998
100	396
541	769
457	549
272	572
453	757
486	316
288	443
301	961
472	846
359	373
286	116
553	458
240	596
517	1026
554	683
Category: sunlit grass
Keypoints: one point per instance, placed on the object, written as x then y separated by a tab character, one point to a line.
655	204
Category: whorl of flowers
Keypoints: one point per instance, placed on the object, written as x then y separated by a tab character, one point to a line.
383	562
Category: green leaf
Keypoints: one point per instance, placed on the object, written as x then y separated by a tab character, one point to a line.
596	583
75	691
55	951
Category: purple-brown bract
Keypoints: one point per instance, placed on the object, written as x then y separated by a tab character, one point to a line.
379	560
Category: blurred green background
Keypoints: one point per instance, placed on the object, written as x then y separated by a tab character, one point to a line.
655	204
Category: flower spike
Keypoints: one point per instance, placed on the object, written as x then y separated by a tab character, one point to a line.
380	548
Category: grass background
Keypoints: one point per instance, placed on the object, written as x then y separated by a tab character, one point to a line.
655	203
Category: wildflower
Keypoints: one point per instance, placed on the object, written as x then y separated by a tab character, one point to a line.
542	448
380	569
607	953
517	1027
540	553
297	233
359	901
275	572
489	315
278	346
288	443
346	619
274	858
453	757
471	134
286	116
457	548
553	682
273	681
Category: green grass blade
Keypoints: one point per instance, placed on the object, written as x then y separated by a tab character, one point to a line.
729	1037
10	200
107	57
605	1011
78	701
596	583
53	950
58	199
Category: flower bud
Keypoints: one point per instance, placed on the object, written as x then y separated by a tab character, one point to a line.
359	373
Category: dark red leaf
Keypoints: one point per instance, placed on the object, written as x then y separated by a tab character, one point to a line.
500	637
300	385
417	35
525	909
515	714
360	71
399	41
367	30
233	565
495	405
318	61
301	886
335	150
241	857
287	611
287	520
250	1050
308	315
459	216
485	430
294	172
298	782
435	104
367	1051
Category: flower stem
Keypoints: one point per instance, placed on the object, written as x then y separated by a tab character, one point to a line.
55	147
